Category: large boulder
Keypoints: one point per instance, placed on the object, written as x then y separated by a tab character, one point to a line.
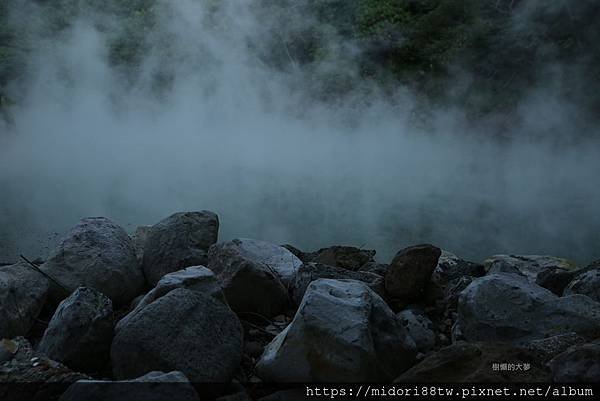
309	272
80	332
410	272
253	283
194	278
464	362
529	266
580	364
99	254
364	342
507	307
276	258
23	292
182	330
587	283
179	241
153	386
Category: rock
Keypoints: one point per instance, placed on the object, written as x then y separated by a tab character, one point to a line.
453	290
80	332
374	267
182	330
529	266
410	271
250	286
23	293
580	364
29	375
464	362
507	307
194	278
347	257
154	386
179	241
555	279
276	258
365	342
310	272
547	348
587	283
99	254
419	328
450	268
139	240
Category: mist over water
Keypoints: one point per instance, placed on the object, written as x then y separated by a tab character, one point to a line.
230	134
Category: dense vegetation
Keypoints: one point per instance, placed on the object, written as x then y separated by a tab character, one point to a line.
478	55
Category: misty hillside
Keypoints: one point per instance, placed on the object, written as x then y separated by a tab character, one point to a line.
482	56
470	124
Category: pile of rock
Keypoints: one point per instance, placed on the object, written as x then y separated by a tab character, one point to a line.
174	300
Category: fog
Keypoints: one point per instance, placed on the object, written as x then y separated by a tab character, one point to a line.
243	139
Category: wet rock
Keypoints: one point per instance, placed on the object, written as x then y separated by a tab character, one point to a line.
410	271
99	254
23	293
310	272
547	348
181	240
365	342
507	307
184	330
374	267
139	241
80	332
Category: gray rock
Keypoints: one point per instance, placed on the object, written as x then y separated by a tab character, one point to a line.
529	266
579	364
419	328
310	272
587	283
23	293
182	330
99	254
364	342
507	307
179	241
276	258
410	272
80	332
555	279
374	267
250	286
194	278
450	267
154	386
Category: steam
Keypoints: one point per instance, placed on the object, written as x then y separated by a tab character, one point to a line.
228	133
